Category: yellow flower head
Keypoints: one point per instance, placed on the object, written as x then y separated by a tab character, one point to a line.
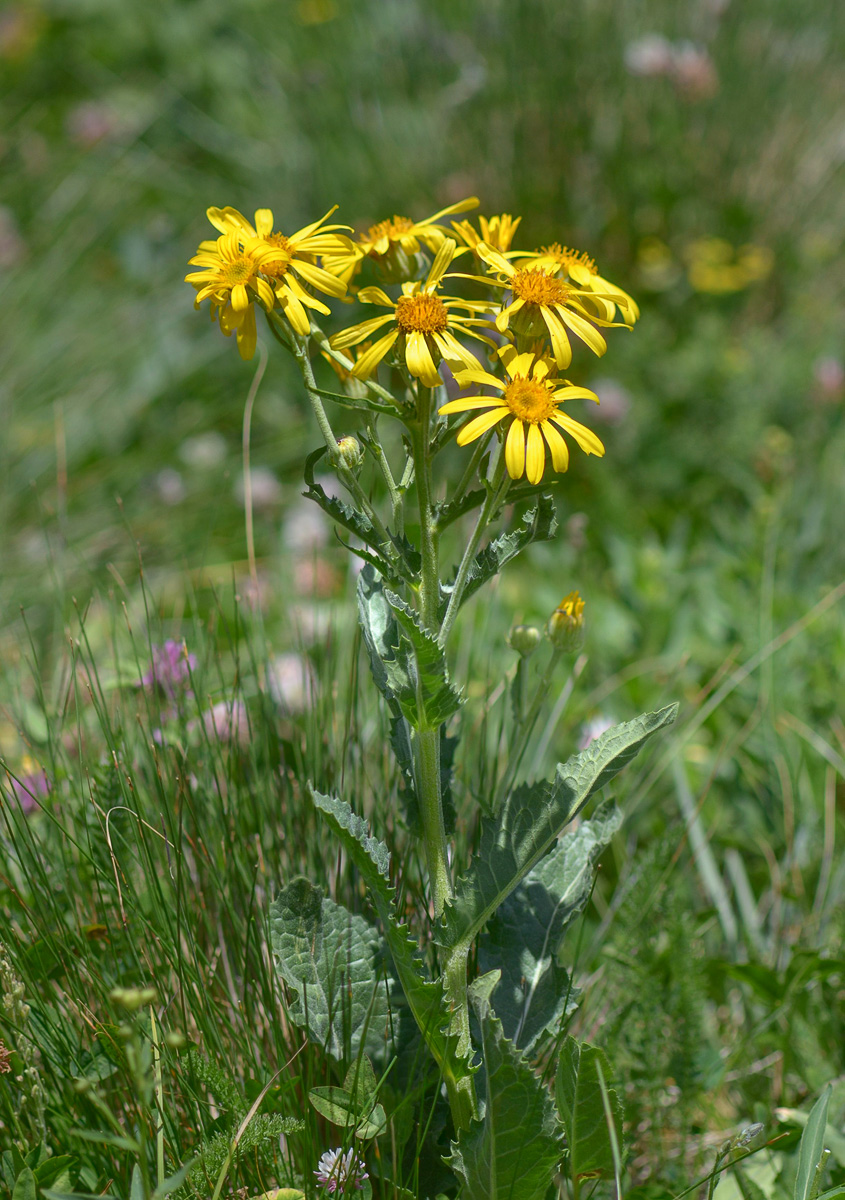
423	324
565	628
288	260
231	278
542	304
497	232
577	266
531	400
394	242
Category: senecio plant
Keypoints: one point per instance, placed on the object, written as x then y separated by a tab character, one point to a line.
470	341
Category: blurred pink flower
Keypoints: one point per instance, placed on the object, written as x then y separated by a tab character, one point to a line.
694	72
29	789
170	669
829	374
228	721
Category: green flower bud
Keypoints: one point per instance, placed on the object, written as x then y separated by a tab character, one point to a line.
175	1040
524	639
351	454
565	628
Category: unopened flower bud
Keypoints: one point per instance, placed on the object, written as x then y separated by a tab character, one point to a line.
175	1040
351	454
133	998
524	639
565	628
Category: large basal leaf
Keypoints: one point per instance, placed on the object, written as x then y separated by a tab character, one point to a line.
523	938
537	525
578	1093
513	1152
425	996
532	816
334	963
408	664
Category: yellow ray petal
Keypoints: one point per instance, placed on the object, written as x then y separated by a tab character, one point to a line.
479	425
358	333
442	260
293	310
374	295
461	206
586	332
560	342
558	447
247	335
371	358
468	403
585	437
320	279
454	352
263	221
419	360
464	378
515	450
535	458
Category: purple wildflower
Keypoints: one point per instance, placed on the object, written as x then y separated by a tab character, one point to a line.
335	1169
29	789
170	669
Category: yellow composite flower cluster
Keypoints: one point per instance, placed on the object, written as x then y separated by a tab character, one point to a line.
535	305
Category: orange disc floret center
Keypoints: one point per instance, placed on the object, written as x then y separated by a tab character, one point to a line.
239	271
529	400
421	314
392	228
536	286
277	266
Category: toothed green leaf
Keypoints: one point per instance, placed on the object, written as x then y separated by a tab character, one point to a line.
334	962
523	937
514	1150
578	1094
537	525
529	821
425	996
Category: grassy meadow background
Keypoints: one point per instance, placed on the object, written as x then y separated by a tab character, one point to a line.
708	544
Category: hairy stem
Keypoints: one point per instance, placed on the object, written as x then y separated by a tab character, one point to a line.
431	810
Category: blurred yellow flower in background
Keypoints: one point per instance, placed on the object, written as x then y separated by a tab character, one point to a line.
532	398
714	267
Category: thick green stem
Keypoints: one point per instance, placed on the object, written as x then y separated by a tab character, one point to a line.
430	572
526	727
497	490
431	810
